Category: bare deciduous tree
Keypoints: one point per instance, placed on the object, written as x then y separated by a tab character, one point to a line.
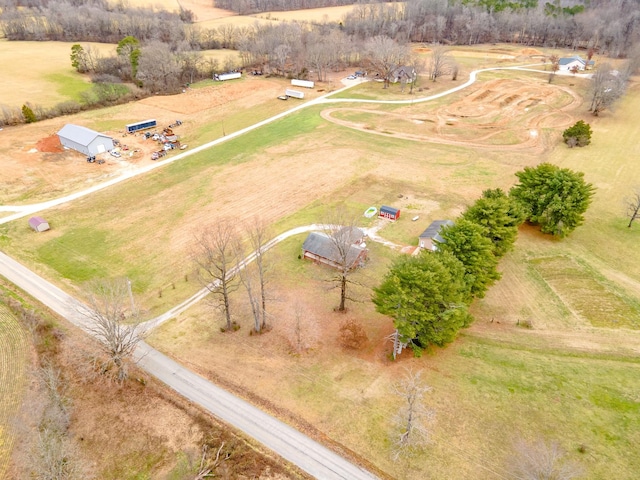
258	233
113	319
633	206
439	63
214	254
384	56
300	328
555	66
342	232
414	417
542	461
607	86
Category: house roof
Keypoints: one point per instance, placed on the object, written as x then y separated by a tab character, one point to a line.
568	60
391	210
350	234
321	245
81	135
433	230
35	221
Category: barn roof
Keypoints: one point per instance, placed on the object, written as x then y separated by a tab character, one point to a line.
391	210
321	245
76	133
433	230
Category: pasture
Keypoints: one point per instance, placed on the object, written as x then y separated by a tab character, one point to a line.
41	73
570	378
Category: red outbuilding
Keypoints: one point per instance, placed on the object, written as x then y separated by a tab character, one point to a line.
389	212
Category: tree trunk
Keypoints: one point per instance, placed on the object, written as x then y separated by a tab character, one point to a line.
343	292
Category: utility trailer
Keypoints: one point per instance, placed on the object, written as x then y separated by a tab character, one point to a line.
134	127
293	93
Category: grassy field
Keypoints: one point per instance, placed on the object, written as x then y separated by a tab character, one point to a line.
41	73
571	377
14	355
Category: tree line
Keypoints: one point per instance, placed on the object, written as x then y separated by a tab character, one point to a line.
428	295
611	27
247	7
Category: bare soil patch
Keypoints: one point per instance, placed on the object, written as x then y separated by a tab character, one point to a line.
35	167
499	114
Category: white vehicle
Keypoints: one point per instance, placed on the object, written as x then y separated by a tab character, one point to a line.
351	77
114	153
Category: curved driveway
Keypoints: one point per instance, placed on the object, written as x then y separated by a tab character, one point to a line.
25	210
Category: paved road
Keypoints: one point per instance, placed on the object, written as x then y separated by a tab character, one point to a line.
287	442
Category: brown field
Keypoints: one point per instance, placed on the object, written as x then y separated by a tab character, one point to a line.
36	72
14	358
35	168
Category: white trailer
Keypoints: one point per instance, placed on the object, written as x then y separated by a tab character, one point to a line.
227	76
302	83
293	93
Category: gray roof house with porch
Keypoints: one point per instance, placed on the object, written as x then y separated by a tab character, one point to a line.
320	248
431	236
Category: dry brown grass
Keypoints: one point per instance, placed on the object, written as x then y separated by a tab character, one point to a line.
36	72
14	357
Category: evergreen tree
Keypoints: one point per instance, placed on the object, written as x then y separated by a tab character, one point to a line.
468	242
27	113
554	198
500	216
426	296
578	135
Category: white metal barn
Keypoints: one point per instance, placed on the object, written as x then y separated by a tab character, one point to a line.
84	140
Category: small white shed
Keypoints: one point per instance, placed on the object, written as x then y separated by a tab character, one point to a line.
39	224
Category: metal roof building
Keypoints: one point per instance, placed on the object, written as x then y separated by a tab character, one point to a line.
84	140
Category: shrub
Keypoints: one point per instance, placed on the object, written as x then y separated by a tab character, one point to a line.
577	135
352	334
27	113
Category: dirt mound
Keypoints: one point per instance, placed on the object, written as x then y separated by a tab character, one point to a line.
531	52
50	144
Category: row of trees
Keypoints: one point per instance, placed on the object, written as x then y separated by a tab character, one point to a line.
612	27
428	295
92	21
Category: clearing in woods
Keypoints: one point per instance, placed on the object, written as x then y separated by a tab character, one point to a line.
14	356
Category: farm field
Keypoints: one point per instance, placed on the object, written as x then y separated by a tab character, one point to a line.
571	377
40	73
14	356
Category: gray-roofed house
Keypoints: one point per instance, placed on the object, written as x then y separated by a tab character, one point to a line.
431	236
568	63
403	73
320	248
84	140
39	224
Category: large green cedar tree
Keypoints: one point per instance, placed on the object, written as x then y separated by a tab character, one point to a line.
554	198
426	295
